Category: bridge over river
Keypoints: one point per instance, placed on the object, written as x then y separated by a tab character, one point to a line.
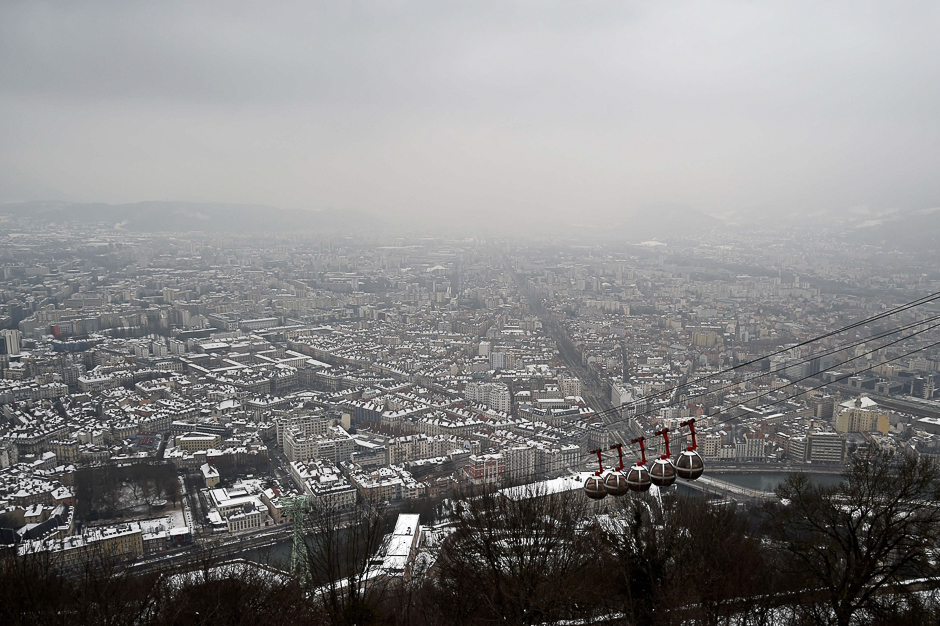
755	484
711	485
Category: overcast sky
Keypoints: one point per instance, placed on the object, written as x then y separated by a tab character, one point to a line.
507	109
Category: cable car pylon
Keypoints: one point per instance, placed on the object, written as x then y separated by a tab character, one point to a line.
296	508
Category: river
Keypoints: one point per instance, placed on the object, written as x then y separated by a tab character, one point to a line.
768	481
276	555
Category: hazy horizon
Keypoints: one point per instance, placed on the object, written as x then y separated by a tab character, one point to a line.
494	111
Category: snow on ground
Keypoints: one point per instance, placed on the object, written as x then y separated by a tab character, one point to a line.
178	516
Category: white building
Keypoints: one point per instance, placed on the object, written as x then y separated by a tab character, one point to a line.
751	449
239	507
323	481
12	340
335	445
398	552
494	395
570	386
252	516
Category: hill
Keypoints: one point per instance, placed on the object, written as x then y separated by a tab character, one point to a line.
193	216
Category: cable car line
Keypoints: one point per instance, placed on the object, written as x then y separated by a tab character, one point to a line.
692	464
773	391
756	376
929	298
798	380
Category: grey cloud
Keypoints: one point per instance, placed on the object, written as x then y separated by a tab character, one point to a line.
507	109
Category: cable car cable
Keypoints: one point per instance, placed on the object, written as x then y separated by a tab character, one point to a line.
801	392
809	359
864	354
899	309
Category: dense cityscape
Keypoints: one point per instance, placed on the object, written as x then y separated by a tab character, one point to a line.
469	314
263	369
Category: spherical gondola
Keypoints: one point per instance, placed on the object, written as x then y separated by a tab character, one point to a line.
616	481
662	471
594	486
638	477
689	463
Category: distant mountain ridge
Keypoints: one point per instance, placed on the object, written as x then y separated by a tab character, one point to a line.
662	221
170	216
917	229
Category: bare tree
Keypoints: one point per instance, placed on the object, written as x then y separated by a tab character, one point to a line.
341	543
231	593
105	592
31	590
34	589
682	559
529	558
110	484
852	542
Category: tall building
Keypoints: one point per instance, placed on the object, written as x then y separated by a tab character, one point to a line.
494	395
621	394
11	341
826	447
520	462
861	415
923	387
823	407
497	360
709	445
570	386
